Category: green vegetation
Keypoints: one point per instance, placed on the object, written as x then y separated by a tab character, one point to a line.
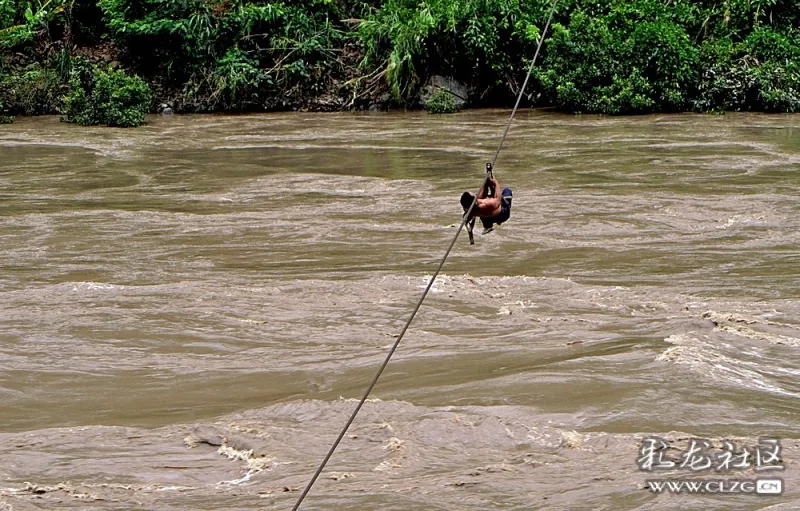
230	55
620	61
484	43
5	119
644	55
601	56
761	72
110	97
33	90
442	102
24	22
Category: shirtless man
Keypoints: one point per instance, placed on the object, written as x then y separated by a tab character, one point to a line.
491	210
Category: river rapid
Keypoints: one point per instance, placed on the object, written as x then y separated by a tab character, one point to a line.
190	310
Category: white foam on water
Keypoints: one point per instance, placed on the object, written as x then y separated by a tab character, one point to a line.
706	357
94	286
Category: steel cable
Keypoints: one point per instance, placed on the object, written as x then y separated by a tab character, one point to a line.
464	220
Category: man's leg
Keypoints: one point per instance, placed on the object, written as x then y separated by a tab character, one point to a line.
488	226
507	196
470	226
505	211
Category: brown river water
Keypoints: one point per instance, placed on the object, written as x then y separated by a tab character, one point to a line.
190	310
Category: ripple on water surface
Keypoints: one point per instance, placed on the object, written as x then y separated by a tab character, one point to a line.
190	308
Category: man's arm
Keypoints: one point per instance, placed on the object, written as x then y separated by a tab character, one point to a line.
489	205
482	191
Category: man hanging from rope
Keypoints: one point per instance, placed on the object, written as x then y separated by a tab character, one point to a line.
489	208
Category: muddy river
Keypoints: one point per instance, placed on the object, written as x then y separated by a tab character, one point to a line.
189	312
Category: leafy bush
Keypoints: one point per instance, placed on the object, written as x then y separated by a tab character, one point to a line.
17	23
634	58
442	102
760	73
777	73
483	44
226	54
33	91
236	80
23	21
5	119
106	97
7	13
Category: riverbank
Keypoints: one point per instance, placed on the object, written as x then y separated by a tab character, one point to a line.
606	57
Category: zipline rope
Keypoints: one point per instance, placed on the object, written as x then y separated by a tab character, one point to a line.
464	220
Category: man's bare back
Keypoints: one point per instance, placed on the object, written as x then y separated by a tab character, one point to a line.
485	207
